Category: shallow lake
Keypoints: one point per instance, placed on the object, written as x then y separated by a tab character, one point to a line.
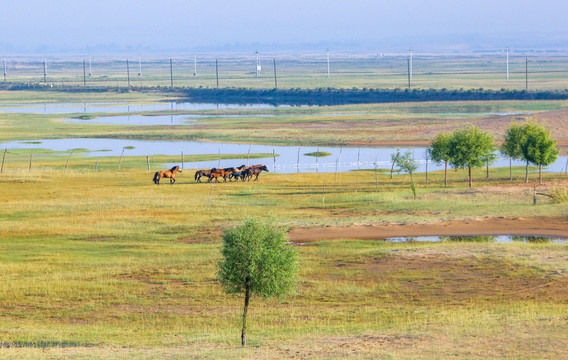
289	158
104	107
484	238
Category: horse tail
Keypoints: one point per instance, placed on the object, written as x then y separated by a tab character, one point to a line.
157	177
196	174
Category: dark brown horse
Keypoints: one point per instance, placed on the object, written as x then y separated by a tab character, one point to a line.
255	170
200	173
171	174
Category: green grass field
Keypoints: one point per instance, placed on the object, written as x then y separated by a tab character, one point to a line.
107	264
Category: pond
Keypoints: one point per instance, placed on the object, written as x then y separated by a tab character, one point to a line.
154	120
484	238
104	107
289	158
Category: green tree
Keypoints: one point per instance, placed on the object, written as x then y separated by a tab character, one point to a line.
469	148
394	160
256	261
439	152
537	147
511	146
407	164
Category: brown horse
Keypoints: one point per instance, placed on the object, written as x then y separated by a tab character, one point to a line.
200	173
171	174
217	173
255	170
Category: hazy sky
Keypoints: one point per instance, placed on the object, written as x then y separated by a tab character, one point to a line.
185	24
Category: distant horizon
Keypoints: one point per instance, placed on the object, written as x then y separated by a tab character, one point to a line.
451	45
35	27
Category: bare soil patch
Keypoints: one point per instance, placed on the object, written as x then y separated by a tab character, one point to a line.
488	226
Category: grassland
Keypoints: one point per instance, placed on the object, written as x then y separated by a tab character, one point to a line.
106	264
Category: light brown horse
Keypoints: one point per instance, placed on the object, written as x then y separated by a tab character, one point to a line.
171	174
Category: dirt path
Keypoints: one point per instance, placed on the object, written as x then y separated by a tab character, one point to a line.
493	226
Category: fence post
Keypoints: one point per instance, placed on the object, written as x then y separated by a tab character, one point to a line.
248	156
357	176
274	157
182	160
298	161
148	161
210	194
30	167
337	166
376	176
3	158
97	165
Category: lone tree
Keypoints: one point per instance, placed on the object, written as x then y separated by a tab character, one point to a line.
537	147
469	148
511	146
439	152
407	164
256	261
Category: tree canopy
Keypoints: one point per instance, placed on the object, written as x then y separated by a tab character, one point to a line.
469	147
257	261
439	152
537	147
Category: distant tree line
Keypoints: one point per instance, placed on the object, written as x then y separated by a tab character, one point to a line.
318	96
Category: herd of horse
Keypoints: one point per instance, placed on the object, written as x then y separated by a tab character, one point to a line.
243	172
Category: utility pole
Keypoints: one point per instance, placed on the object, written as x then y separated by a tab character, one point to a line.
257	64
328	73
84	73
217	72
507	51
128	72
275	82
409	77
171	74
194	64
526	74
4	69
410	65
139	65
44	71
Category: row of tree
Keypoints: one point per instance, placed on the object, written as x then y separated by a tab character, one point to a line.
469	147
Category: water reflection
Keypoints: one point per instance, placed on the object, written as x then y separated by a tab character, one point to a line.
483	239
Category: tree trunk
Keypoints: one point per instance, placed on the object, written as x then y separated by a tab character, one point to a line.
510	169
470	182
487	168
540	174
527	173
446	175
247	299
392	168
